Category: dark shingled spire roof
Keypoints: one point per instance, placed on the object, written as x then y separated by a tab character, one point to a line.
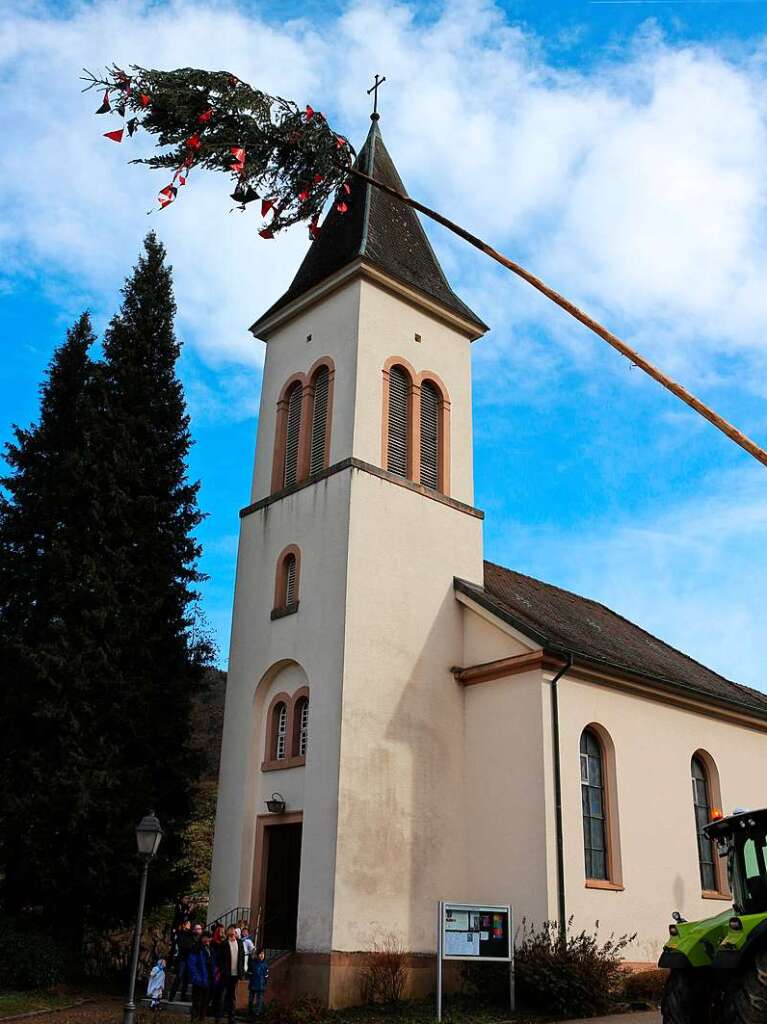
381	231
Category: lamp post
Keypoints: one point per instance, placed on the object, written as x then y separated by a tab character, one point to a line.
148	836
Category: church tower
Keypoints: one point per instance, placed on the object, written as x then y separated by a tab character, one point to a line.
340	703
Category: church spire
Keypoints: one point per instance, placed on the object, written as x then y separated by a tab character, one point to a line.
379	230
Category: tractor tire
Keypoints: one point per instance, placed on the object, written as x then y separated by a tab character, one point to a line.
685	997
745	1001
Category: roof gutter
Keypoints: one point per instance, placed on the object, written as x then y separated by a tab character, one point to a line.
560	832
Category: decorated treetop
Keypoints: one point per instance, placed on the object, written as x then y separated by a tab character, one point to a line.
288	158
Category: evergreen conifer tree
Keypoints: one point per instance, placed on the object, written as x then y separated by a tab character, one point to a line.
97	633
52	591
159	653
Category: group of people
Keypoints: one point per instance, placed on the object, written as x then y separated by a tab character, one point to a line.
213	962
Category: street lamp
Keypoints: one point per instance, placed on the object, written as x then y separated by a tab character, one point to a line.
148	836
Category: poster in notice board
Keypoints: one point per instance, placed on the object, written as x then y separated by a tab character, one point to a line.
476	932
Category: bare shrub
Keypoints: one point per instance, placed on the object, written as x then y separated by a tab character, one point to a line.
384	969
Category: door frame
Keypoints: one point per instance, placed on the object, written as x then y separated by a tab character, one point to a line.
258	890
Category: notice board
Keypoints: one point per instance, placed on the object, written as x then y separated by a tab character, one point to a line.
475	932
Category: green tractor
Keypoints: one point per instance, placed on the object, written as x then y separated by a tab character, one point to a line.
719	965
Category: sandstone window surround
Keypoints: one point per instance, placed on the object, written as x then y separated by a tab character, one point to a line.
415	425
303	425
599	803
707	800
287	581
287	731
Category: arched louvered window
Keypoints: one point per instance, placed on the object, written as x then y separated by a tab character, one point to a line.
594	807
291	589
292	436
287	582
280	731
318	445
701	800
431	454
398	438
301	727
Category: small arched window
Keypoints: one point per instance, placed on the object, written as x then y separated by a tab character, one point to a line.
318	447
292	435
398	427
594	807
701	800
291	593
431	453
286	584
280	731
301	727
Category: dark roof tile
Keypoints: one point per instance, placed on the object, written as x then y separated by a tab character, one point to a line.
563	621
380	230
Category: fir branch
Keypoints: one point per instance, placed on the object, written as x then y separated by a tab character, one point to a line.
289	158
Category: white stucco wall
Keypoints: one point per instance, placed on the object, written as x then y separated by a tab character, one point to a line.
401	825
654	743
505	803
316	519
376	634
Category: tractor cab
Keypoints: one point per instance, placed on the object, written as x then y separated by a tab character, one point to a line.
718	966
742	838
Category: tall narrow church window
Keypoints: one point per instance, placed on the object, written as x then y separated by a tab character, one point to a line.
594	807
701	799
398	439
431	408
318	446
292	436
280	731
291	593
301	727
286	584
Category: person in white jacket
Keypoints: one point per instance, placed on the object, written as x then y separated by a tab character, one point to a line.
248	946
156	983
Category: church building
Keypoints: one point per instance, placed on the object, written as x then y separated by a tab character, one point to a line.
406	722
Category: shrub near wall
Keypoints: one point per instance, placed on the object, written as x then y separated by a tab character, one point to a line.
572	975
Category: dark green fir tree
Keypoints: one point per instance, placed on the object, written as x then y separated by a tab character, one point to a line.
102	657
160	654
52	592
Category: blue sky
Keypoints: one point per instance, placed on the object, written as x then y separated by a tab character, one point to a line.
617	149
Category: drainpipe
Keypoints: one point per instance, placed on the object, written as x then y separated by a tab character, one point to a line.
561	906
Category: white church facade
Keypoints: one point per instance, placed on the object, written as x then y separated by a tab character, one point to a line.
437	726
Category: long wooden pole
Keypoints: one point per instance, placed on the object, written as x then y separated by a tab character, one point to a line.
638	360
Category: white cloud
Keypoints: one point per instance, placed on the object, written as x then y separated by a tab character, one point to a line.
636	186
692	575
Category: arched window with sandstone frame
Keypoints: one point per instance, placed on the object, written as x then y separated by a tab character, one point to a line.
286	582
398	420
434	434
707	804
288	432
320	417
599	809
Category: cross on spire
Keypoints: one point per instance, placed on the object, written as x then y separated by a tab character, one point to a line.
374	89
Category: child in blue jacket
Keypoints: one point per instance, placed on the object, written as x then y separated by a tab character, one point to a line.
259	975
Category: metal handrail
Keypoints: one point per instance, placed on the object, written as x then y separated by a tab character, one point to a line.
231	917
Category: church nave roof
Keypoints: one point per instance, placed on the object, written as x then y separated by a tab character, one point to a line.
565	623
